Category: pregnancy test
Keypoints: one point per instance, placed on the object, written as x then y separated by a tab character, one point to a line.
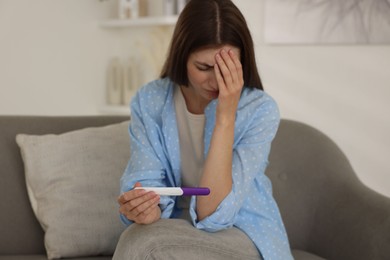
175	191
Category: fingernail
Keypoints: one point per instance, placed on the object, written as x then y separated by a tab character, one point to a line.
141	192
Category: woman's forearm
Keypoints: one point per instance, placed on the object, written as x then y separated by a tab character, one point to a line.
217	171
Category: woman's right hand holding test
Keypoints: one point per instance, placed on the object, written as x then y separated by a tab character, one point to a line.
140	206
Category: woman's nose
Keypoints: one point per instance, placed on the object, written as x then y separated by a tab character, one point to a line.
213	81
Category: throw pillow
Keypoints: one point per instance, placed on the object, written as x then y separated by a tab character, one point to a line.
73	183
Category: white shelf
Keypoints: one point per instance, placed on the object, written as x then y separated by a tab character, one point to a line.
142	21
115	110
149	21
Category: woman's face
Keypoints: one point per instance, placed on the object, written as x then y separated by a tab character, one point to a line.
202	83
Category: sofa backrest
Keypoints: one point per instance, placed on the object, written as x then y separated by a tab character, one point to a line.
20	232
306	168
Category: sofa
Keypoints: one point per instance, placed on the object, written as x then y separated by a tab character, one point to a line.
327	211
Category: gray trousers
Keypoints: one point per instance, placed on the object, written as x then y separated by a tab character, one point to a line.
171	239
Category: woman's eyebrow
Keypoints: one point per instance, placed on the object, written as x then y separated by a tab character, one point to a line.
203	64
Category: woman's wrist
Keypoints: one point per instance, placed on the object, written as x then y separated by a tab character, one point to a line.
226	120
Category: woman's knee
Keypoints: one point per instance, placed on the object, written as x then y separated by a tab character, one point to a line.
139	241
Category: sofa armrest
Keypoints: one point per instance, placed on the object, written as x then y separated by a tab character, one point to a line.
355	224
326	209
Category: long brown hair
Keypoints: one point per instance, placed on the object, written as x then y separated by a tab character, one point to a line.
208	23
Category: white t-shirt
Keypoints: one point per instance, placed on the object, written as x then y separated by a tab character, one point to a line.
191	133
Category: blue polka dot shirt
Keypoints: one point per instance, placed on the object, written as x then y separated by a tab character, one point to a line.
155	161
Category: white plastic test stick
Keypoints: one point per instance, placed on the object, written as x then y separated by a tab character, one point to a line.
163	191
176	191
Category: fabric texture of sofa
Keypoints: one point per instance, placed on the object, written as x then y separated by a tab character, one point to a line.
327	211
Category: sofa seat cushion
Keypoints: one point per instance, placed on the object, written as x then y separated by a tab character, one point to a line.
23	257
73	183
304	255
44	257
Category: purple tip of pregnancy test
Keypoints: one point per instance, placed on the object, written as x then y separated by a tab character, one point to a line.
195	191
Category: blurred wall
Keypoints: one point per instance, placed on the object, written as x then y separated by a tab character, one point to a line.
343	90
53	58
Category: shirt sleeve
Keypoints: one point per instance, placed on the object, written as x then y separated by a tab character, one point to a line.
250	159
147	163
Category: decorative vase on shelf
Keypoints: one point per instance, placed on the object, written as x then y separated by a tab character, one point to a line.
147	62
132	9
127	9
130	80
155	8
169	7
114	82
180	5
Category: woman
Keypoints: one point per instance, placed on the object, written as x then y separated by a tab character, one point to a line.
206	123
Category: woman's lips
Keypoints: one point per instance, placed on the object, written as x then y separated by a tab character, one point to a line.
214	94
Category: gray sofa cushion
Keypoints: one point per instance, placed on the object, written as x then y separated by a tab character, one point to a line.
20	231
72	182
43	257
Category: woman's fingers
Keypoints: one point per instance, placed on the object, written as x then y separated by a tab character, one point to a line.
230	64
140	205
151	200
229	69
223	68
130	195
137	202
238	67
219	78
140	218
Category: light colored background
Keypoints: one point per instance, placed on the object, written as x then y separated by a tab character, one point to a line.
327	21
53	59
